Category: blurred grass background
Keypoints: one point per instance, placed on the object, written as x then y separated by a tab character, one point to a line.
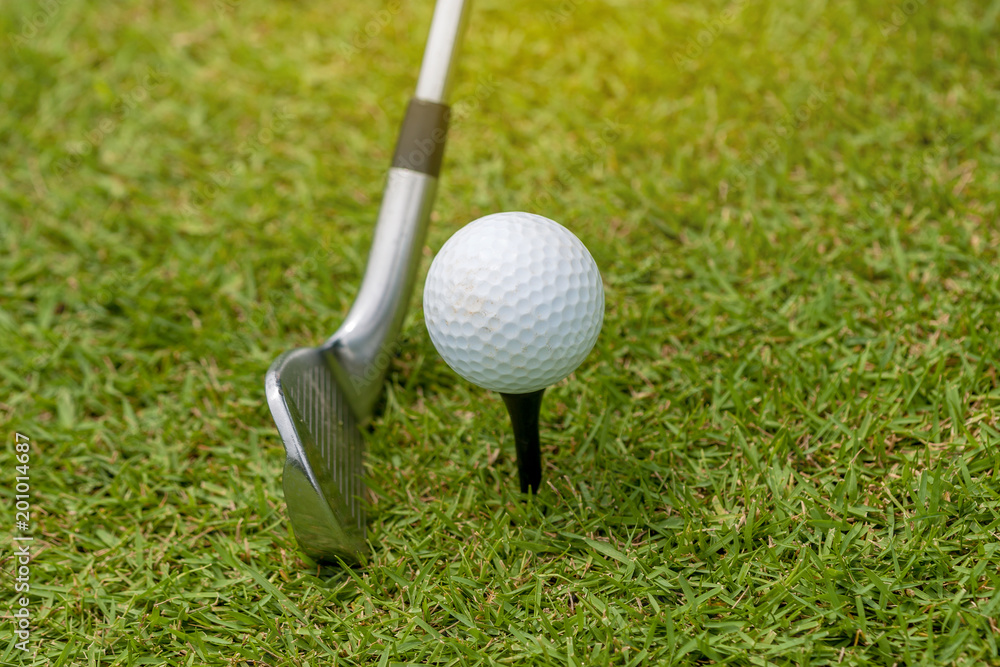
784	449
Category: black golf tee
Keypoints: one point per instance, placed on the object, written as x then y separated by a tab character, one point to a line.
523	410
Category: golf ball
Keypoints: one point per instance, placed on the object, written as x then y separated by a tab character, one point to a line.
513	302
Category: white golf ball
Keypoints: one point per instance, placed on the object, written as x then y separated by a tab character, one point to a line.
513	302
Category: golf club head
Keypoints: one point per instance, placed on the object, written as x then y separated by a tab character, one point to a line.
319	397
324	463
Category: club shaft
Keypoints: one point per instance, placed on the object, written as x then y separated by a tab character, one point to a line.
365	342
440	56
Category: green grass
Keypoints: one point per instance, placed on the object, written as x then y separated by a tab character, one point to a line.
784	449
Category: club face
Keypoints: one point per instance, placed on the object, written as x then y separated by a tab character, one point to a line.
324	456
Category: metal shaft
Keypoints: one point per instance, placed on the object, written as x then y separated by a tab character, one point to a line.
440	56
364	344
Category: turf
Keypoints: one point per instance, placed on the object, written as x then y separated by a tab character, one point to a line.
783	450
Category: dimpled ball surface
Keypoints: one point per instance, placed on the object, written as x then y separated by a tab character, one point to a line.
514	302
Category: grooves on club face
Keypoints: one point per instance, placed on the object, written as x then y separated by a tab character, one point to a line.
324	464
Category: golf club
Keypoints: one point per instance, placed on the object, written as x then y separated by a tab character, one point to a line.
319	397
